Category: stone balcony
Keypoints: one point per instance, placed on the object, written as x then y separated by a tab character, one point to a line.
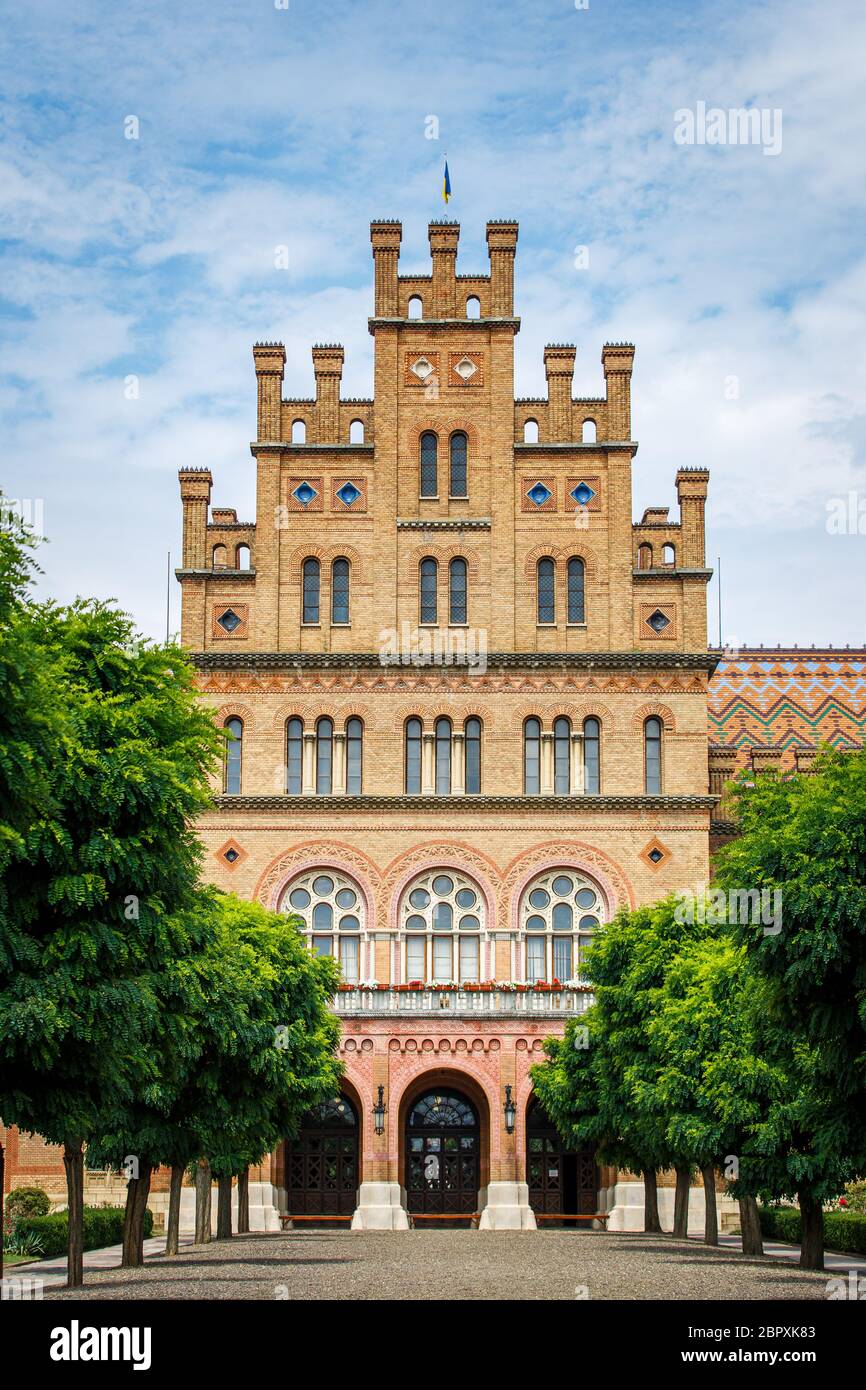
446	1002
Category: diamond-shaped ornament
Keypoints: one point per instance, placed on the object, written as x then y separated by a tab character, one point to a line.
658	621
539	494
582	494
465	368
229	620
304	493
422	368
348	493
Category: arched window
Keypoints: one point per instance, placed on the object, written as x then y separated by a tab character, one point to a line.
234	748
429	606
546	590
340	591
443	757
416	307
576	590
458	484
558	913
589	432
413	756
299	432
324	756
294	756
356	432
532	757
562	756
652	733
429	464
457	599
242	557
669	555
591	756
645	557
473	307
472	744
220	557
354	756
530	431
441	921
332	913
312	582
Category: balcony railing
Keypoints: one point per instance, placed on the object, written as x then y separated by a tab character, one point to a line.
462	1003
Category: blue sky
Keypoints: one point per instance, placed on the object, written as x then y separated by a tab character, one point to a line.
261	127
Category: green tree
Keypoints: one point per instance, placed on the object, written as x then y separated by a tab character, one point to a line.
804	838
93	877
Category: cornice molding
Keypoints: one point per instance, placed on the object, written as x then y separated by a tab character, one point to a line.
577	445
514	661
233	575
471	804
444	523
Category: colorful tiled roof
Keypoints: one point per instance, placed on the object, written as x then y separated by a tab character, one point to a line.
789	697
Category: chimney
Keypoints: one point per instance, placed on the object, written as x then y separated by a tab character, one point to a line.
559	368
328	367
501	245
444	237
385	237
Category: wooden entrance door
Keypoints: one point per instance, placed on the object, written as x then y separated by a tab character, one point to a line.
560	1179
442	1154
322	1163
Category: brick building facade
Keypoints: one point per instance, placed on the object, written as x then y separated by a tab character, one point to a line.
469	700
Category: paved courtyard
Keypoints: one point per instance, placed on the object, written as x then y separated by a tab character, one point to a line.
454	1264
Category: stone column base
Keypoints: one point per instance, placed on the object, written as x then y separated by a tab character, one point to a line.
263	1209
627	1209
507	1208
380	1208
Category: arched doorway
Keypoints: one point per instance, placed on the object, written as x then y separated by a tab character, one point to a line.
321	1165
562	1180
443	1144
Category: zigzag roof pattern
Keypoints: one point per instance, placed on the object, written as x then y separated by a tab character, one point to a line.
788	698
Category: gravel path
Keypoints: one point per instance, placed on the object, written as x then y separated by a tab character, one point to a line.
454	1264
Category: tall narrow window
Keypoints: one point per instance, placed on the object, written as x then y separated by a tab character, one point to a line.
532	757
536	950
458	486
350	958
232	777
354	756
324	755
457	603
294	757
472	744
429	573
340	591
562	757
591	756
546	591
469	963
429	470
576	587
653	757
312	581
443	757
413	756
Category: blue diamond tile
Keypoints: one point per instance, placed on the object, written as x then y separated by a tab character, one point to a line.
348	494
583	493
539	494
304	493
657	621
229	620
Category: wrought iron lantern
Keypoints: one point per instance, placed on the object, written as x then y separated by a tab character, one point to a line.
510	1111
379	1112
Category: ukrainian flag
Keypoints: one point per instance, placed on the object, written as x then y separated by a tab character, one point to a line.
446	184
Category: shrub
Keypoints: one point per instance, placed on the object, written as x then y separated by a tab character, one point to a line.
102	1226
856	1195
20	1242
843	1230
28	1201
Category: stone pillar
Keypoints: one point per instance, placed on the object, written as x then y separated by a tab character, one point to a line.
501	246
339	769
546	781
308	783
617	360
559	368
443	249
328	368
722	764
577	783
380	1201
385	237
458	762
428	764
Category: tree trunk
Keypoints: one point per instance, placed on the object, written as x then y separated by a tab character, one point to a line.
137	1193
651	1201
750	1226
812	1241
711	1217
202	1202
73	1162
172	1225
224	1208
244	1202
681	1202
